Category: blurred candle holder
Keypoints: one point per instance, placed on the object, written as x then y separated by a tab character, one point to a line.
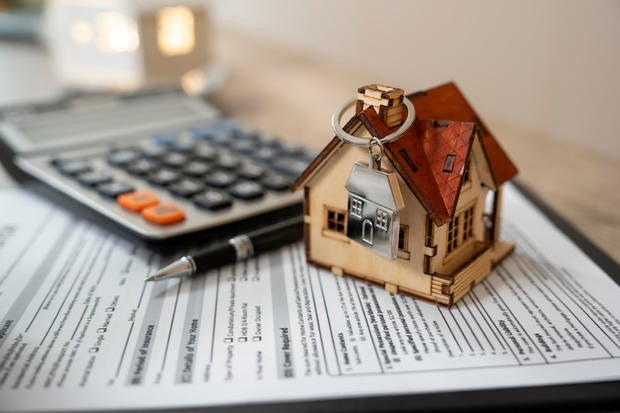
128	44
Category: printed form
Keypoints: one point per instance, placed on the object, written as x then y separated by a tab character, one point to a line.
79	329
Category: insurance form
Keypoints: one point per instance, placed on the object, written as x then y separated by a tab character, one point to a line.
79	329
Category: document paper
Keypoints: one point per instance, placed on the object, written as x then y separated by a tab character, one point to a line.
79	328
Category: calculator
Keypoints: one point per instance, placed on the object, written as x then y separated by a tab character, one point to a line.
161	164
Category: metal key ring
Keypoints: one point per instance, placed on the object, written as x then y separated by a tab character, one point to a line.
348	138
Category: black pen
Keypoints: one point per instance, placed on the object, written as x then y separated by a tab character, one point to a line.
237	248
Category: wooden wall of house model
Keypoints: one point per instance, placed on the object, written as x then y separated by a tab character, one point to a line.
445	232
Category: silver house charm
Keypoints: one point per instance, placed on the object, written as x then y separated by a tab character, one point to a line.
373	218
374	201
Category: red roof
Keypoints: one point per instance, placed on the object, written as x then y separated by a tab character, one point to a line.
447	102
431	155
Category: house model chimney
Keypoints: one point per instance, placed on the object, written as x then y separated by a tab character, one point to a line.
385	100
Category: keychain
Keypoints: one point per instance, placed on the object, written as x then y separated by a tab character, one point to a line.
374	198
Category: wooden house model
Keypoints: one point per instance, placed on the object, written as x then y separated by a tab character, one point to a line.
427	222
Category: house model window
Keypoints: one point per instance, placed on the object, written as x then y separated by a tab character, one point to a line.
463	225
468	223
336	219
453	234
403	238
466	174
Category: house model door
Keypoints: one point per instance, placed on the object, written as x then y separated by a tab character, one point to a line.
367	231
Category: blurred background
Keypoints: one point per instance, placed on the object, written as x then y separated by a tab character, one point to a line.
549	67
543	75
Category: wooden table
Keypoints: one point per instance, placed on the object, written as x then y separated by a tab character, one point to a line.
292	96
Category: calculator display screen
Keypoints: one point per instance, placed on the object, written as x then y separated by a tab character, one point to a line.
84	123
117	116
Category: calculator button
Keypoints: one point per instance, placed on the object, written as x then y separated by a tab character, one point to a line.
244	146
164	214
208	131
220	139
114	189
269	141
213	199
73	167
293	167
199	134
121	157
196	168
220	179
141	167
277	182
245	134
291	149
205	152
186	187
93	178
138	200
163	177
165	138
247	190
174	159
225	126
265	154
183	146
153	152
227	160
251	170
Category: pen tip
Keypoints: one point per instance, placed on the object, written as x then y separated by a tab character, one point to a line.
179	268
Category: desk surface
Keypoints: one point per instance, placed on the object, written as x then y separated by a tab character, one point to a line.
290	95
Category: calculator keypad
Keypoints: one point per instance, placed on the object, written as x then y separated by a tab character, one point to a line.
211	170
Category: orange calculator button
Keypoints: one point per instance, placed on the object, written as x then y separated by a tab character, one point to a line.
164	214
137	201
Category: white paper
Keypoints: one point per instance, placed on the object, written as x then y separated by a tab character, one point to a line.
79	329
